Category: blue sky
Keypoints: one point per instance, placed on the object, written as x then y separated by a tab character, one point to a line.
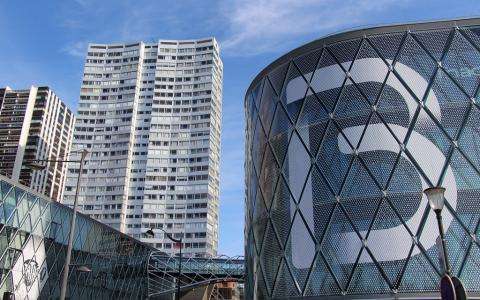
44	43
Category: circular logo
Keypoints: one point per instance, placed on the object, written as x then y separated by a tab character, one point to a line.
30	271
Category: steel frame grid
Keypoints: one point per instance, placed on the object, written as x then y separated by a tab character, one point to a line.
255	100
122	267
28	218
162	272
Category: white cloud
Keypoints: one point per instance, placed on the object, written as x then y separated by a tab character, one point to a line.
78	49
260	26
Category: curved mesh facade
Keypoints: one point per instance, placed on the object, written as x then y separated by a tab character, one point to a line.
343	135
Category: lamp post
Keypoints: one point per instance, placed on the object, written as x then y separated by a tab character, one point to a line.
66	268
150	233
451	287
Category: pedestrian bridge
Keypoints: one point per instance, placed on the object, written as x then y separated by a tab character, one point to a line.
163	272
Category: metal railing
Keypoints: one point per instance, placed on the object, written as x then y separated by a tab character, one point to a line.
162	272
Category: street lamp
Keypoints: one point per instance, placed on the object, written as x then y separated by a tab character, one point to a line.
451	287
35	166
151	234
436	198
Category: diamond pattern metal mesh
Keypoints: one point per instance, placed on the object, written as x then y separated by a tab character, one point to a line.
33	241
341	142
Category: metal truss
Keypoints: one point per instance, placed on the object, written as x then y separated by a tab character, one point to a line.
162	272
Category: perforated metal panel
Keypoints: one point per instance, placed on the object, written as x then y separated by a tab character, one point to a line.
342	138
33	241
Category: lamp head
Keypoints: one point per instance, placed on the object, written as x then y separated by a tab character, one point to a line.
83	269
436	198
35	166
149	233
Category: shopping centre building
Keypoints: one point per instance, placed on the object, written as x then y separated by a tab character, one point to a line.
33	244
342	136
105	264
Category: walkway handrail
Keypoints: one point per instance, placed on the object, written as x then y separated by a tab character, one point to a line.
162	271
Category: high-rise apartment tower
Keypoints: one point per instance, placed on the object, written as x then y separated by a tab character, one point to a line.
150	113
35	124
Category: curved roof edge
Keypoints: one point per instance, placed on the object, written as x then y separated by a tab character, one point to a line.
357	33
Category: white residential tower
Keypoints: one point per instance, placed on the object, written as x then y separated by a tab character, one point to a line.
150	113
